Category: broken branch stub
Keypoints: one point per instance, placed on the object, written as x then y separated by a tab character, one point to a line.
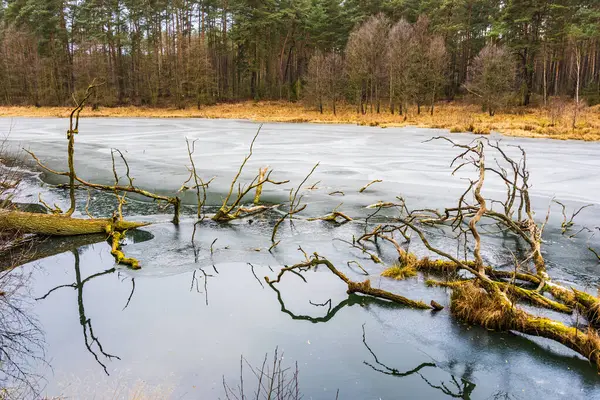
333	216
362	189
261	176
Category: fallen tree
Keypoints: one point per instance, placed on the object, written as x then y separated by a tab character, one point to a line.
353	287
76	182
59	223
482	294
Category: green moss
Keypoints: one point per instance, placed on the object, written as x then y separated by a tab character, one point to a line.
399	272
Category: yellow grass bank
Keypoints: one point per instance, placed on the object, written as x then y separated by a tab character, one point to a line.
527	122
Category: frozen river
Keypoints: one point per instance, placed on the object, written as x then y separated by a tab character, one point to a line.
180	325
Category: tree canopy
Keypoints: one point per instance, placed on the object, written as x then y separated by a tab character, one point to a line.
193	52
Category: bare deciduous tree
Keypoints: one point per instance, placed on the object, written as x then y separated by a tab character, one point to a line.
399	51
491	77
365	61
436	60
315	90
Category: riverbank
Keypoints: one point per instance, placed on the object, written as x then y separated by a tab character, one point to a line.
553	122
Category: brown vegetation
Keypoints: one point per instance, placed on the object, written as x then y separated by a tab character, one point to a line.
552	122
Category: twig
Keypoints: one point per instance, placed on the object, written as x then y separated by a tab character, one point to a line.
232	211
294	207
253	273
362	189
358	265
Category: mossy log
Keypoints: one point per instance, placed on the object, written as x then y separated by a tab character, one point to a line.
426	264
353	287
473	304
585	303
365	288
566	299
586	343
534	297
117	252
440	266
589	306
59	225
445	284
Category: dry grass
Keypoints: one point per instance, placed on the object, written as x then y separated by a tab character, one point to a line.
399	273
472	304
456	117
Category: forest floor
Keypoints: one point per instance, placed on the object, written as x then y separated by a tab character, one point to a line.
537	122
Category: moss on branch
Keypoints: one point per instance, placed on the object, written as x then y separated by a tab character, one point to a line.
59	225
353	287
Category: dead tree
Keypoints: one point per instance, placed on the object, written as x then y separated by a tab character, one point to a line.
486	298
63	224
199	186
482	294
295	207
235	210
76	182
353	287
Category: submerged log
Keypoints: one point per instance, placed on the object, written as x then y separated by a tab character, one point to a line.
60	225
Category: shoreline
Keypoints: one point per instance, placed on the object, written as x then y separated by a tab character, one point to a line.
455	117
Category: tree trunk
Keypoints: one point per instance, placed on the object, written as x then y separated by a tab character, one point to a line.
59	225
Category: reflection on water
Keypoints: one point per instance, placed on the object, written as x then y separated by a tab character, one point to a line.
43	247
46	247
353	299
198	321
22	345
462	390
92	342
200	301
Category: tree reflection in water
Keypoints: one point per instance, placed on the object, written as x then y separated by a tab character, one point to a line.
353	299
22	345
455	389
92	342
